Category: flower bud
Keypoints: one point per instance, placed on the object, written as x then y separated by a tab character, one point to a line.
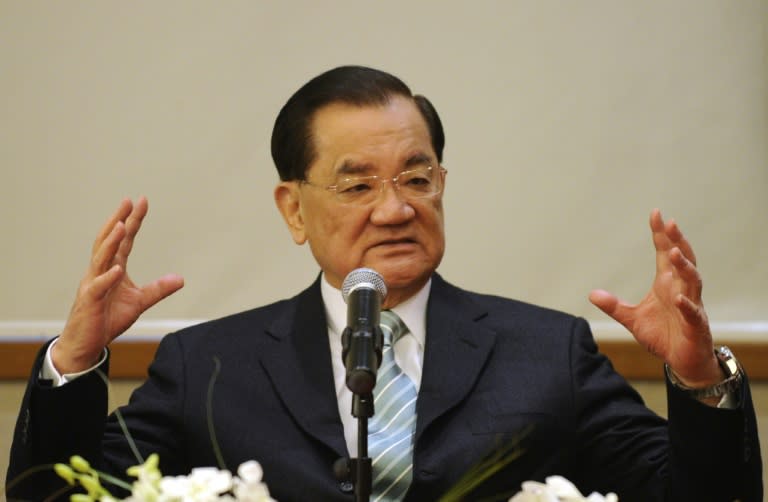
92	485
65	472
80	464
153	461
81	497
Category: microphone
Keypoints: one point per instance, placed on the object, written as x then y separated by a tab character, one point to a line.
363	291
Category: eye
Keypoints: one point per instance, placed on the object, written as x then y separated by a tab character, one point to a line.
353	186
417	179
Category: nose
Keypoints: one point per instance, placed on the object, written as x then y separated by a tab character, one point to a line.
391	208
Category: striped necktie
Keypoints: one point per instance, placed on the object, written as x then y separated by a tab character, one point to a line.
390	431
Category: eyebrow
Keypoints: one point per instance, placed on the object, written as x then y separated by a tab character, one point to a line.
417	159
347	167
350	168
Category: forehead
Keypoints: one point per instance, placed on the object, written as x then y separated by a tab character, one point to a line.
377	136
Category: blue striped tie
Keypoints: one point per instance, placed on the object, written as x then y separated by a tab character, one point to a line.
390	431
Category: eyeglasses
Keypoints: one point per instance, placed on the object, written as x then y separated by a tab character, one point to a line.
419	183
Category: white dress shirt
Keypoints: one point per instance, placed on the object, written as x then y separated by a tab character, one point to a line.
48	370
409	350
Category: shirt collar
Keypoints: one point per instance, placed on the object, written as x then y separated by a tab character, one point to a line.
413	311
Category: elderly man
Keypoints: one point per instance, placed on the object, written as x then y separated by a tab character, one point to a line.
359	158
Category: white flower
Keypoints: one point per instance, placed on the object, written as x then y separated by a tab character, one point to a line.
557	489
248	486
252	493
250	471
203	484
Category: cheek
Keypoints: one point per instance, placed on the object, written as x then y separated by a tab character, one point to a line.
433	221
335	235
436	231
337	246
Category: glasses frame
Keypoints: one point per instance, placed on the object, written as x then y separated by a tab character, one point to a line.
382	180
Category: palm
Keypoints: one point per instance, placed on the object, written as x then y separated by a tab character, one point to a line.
659	325
122	308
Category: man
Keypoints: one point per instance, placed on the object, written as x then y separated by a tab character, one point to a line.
359	159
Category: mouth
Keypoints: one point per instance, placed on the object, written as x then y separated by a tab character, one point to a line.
396	242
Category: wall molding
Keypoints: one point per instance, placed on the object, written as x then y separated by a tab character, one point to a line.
133	351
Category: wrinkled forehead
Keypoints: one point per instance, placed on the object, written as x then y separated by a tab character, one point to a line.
371	138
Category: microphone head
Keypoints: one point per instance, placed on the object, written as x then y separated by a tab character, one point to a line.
363	278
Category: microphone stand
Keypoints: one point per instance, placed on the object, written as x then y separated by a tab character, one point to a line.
366	346
360	468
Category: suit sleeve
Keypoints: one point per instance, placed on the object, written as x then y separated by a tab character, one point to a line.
707	443
57	422
643	457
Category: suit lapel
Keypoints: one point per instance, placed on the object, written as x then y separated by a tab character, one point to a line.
456	350
298	361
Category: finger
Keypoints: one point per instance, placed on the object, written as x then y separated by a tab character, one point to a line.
102	284
618	310
661	241
693	313
677	238
132	226
605	301
104	255
688	273
120	214
160	288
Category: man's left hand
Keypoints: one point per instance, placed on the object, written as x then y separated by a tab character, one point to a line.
670	322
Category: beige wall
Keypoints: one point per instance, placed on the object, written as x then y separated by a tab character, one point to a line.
566	123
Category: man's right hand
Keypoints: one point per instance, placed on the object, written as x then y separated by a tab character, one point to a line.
107	301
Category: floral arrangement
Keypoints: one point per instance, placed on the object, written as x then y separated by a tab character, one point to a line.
209	484
203	484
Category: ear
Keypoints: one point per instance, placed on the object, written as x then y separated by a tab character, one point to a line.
288	202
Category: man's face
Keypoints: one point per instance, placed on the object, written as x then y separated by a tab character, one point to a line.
402	239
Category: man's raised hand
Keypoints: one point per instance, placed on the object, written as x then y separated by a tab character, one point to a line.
670	321
107	301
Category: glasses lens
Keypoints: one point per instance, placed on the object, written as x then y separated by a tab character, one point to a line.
358	190
420	182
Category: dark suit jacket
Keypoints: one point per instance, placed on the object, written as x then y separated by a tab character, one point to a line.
496	372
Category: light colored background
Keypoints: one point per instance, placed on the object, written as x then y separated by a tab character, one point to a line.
566	123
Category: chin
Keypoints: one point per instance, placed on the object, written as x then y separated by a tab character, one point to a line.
397	278
404	272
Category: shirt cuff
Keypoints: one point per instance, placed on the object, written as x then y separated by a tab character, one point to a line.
48	370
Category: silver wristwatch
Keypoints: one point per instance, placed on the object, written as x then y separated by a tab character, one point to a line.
733	371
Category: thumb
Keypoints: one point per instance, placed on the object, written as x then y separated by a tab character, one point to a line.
618	310
160	289
607	302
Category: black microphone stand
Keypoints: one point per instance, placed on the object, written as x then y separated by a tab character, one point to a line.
360	468
361	351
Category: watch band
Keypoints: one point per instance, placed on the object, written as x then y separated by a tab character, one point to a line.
731	367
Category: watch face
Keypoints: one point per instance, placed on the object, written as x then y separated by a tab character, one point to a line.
724	352
727	361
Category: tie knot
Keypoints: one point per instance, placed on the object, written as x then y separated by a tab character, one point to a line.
392	326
